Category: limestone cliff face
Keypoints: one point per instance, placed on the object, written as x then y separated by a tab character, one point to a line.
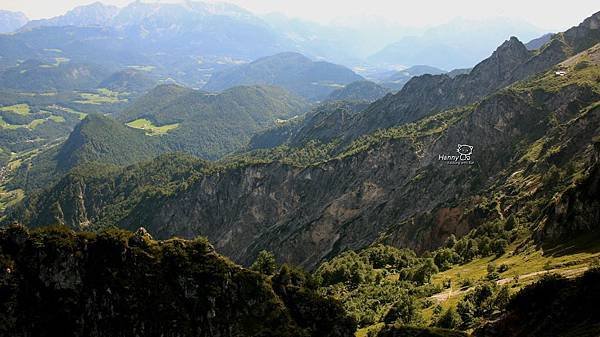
306	215
327	122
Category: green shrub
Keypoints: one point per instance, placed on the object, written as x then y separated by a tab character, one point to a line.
264	263
405	311
449	319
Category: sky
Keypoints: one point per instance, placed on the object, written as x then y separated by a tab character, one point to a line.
550	15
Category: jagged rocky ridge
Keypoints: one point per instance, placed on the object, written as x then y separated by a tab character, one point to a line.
511	62
115	283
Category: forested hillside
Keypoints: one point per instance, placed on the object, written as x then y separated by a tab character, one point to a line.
210	125
119	283
313	80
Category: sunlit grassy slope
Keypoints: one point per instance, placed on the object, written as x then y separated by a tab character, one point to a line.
150	128
569	259
20	109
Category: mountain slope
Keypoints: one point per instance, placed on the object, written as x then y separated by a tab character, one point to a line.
33	75
555	306
128	80
537	43
118	283
397	80
292	71
95	139
391	185
168	118
322	124
357	91
510	62
211	125
100	138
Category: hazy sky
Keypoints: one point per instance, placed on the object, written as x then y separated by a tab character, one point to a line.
554	15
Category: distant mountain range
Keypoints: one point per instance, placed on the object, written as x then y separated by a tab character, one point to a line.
191	40
11	21
539	41
63	75
457	44
185	41
313	80
95	14
149	15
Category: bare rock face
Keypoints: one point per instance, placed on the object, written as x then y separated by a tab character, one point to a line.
11	21
141	237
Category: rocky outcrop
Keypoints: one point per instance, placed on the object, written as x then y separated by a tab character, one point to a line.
326	122
55	282
428	94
